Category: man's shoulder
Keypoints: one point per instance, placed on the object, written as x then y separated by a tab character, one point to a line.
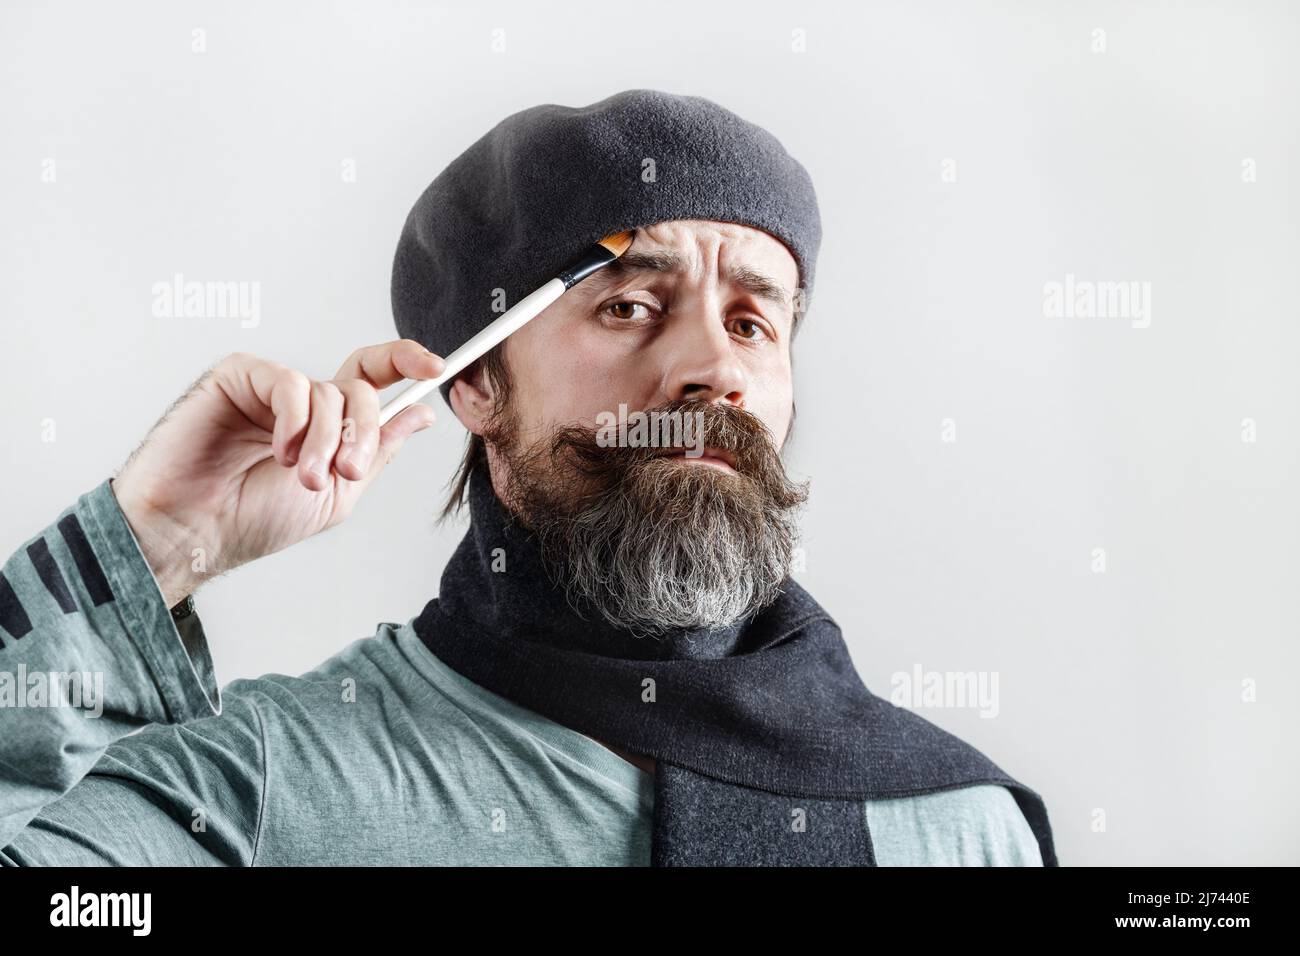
996	818
977	825
354	679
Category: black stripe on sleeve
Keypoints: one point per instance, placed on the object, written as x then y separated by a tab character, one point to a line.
92	575
51	576
12	616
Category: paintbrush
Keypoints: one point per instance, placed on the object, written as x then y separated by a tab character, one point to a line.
599	255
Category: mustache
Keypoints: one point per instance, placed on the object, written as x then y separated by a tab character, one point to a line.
683	425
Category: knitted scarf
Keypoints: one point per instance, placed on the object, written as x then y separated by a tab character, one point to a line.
766	740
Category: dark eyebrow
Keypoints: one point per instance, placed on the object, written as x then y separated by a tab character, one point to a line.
753	282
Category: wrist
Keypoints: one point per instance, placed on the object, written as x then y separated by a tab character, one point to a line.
166	544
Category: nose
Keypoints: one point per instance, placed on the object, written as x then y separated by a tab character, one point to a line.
702	362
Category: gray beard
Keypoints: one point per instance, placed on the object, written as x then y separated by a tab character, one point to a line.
658	545
698	560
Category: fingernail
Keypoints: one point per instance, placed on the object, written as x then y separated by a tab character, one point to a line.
317	468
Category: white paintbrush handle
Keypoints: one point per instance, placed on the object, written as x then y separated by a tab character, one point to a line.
525	309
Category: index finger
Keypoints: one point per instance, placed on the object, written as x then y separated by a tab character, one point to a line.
382	365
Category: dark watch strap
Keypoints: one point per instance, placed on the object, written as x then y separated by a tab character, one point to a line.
184	608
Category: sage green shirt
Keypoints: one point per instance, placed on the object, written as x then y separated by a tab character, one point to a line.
381	755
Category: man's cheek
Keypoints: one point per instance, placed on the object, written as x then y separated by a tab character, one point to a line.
775	417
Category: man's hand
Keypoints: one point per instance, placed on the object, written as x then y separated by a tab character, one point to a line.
257	456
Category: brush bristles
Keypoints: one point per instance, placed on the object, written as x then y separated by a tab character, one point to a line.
619	242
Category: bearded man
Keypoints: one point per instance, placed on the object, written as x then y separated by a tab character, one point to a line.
618	668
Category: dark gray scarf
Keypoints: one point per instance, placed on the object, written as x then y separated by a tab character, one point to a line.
766	740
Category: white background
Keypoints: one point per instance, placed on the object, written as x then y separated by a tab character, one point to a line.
1120	692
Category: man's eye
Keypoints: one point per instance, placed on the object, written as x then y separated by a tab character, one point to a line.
625	311
748	328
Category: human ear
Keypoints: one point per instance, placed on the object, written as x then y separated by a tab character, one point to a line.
473	398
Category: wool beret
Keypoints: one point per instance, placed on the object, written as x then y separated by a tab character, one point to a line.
545	183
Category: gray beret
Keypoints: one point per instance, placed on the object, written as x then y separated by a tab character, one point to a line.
545	183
